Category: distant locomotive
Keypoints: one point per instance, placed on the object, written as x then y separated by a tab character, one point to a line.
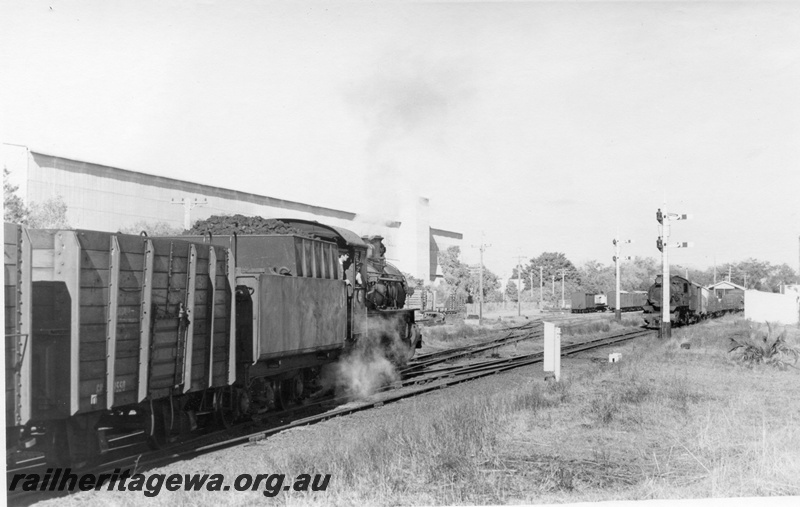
109	332
689	302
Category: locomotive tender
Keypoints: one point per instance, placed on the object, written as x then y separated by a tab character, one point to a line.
107	333
689	302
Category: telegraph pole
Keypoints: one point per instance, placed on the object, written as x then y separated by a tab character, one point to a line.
519	282
531	284
519	290
541	289
188	204
482	247
617	242
663	218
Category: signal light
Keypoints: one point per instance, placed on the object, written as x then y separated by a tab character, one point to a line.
660	244
614	258
659	217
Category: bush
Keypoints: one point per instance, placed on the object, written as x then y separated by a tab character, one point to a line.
752	346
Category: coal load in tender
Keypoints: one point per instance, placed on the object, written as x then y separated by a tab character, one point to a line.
219	225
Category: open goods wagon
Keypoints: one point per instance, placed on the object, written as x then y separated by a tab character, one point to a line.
629	301
109	323
583	302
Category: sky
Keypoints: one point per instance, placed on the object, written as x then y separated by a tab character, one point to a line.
531	126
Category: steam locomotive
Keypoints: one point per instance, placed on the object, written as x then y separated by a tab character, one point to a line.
690	302
109	333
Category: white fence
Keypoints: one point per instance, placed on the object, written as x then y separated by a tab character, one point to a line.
768	307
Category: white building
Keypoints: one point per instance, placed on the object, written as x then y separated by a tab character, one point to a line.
107	198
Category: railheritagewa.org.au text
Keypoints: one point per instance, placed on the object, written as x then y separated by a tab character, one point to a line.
63	479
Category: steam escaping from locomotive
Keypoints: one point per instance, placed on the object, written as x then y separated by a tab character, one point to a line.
362	373
373	361
390	334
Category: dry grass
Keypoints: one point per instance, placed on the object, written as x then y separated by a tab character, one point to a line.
665	422
458	333
602	326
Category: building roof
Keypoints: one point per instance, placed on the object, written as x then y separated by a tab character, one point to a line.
725	285
446	234
116	173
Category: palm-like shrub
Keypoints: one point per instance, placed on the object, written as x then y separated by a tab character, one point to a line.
755	345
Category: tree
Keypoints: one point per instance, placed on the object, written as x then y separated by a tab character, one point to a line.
14	209
50	214
639	273
491	283
456	273
494	296
511	291
553	263
782	274
596	277
155	229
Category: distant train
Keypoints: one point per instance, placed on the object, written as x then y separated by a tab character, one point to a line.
690	302
585	302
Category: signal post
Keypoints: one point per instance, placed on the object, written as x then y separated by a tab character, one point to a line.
665	331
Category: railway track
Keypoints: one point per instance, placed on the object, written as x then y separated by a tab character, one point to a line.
416	379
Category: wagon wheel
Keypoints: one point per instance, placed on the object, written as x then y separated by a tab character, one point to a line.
224	411
155	426
289	392
57	449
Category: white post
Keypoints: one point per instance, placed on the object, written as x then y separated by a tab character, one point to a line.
552	349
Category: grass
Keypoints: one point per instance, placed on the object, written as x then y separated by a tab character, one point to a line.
601	326
665	422
457	333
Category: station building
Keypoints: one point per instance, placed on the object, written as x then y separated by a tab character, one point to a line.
104	198
724	287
